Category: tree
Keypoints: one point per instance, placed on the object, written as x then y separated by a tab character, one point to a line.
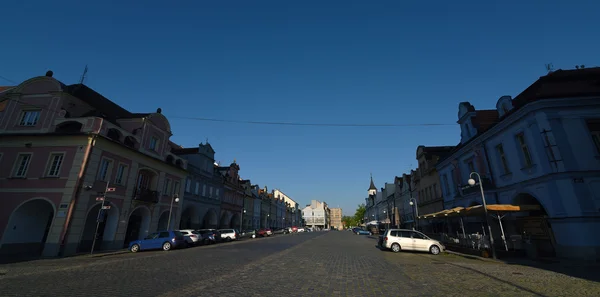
348	221
359	215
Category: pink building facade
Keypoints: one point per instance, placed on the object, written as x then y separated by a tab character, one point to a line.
60	148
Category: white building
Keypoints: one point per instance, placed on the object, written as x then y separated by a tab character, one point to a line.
315	214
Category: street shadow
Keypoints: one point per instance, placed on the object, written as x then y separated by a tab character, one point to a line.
587	271
8	259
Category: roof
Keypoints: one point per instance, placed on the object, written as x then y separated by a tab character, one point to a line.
574	83
372	186
439	151
185	151
101	104
562	84
4	88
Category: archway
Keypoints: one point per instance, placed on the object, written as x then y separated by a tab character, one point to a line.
225	221
190	219
235	221
163	221
107	228
28	228
535	227
210	220
138	224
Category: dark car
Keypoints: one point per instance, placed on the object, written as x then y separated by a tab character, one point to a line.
210	236
165	240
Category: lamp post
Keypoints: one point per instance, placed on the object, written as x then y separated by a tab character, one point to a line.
242	219
387	219
472	182
268	220
176	199
413	202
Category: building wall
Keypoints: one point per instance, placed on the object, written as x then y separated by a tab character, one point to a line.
336	218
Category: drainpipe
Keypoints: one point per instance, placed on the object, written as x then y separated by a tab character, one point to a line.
77	193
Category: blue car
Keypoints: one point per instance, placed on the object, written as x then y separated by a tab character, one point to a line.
362	232
165	240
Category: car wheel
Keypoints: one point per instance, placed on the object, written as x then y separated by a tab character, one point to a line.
395	247
434	250
166	246
135	248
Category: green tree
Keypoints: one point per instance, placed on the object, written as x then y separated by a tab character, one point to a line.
359	215
348	221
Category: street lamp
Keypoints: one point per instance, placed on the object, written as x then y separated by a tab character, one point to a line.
487	219
176	199
242	220
387	222
413	202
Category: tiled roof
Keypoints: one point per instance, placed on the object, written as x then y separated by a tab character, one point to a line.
562	84
4	88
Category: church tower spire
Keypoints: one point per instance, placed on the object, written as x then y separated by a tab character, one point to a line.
372	187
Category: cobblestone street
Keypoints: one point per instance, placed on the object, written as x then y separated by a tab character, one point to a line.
306	264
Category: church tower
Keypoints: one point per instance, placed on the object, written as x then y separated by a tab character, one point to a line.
372	187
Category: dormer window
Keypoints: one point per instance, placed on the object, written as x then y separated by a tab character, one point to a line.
29	118
154	143
504	108
467	131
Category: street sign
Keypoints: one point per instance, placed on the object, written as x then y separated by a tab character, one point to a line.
110	189
106	207
99	198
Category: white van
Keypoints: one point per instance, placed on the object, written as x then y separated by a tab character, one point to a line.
410	240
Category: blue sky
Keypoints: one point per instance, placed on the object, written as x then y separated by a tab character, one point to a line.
357	62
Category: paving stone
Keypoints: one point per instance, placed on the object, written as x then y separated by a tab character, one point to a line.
306	264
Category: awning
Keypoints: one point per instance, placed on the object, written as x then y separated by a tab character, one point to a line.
478	210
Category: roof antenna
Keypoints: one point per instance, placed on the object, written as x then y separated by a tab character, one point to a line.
85	70
549	68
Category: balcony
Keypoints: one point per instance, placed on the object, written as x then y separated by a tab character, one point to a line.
146	195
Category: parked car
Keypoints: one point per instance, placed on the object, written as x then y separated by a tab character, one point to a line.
410	240
363	232
279	231
209	236
264	232
165	240
250	233
192	237
229	234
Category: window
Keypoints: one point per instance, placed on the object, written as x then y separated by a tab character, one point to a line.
197	189
188	185
594	127
203	190
104	167
596	139
211	192
175	188
446	185
504	108
217	193
29	118
22	165
524	149
120	178
500	151
56	160
471	167
167	187
154	143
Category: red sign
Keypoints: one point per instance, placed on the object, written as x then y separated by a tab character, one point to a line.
110	189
